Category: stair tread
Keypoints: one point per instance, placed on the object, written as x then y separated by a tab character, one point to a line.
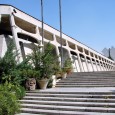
67	103
67	107
64	112
82	95
28	114
65	98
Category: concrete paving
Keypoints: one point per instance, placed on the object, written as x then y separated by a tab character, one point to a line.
94	89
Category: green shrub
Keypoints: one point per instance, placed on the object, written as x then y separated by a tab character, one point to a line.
43	61
8	99
10	70
8	62
67	64
19	91
50	83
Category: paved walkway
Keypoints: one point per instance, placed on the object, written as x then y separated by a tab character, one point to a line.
100	89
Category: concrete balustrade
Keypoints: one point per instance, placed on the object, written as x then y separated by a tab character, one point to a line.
25	30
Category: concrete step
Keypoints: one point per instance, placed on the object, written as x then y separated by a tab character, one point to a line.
93	76
74	83
92	91
69	108
70	95
85	82
90	78
62	103
28	114
59	112
72	86
70	99
84	75
93	73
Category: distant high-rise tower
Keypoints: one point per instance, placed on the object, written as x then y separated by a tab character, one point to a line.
109	52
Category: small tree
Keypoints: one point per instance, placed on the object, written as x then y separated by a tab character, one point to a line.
8	62
68	65
10	70
43	61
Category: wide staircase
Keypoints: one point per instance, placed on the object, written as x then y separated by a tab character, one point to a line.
89	79
89	93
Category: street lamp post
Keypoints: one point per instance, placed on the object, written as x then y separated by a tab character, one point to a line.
42	19
61	33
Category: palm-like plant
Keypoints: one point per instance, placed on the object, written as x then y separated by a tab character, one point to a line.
43	61
68	65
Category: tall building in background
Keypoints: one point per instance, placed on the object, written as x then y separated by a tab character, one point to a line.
26	31
105	51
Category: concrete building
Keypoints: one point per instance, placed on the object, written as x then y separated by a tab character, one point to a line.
26	30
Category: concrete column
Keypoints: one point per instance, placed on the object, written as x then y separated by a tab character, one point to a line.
80	63
103	66
113	68
70	56
38	32
38	36
57	49
100	66
15	37
54	37
107	67
92	64
110	67
85	60
58	53
86	63
0	18
96	65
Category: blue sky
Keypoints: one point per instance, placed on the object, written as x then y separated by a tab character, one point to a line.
91	22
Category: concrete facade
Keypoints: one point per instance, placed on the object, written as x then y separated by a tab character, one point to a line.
26	30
